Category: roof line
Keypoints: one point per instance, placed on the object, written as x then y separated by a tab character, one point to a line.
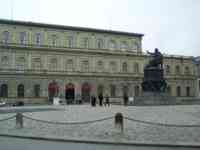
75	28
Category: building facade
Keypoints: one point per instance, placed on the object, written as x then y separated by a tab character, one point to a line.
39	61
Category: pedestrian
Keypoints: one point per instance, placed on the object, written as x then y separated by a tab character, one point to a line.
93	101
107	101
100	99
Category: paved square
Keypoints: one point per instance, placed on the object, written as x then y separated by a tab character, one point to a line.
105	130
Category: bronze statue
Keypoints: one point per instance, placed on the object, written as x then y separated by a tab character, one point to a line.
153	74
157	60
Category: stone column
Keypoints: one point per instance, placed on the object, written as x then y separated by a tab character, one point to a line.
44	88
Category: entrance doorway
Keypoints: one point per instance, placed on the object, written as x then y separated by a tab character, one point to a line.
20	90
69	93
86	92
53	90
125	90
4	90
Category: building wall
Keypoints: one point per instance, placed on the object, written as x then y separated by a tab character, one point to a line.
30	63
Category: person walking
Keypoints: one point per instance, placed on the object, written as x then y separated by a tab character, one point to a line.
107	100
93	101
100	99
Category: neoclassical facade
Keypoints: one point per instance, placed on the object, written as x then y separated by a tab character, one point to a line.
39	61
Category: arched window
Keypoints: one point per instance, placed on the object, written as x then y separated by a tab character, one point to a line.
21	63
4	90
53	64
5	37
85	66
20	90
100	66
85	42
178	91
36	64
177	70
69	65
187	91
99	43
112	90
137	90
124	67
37	90
112	45
187	70
4	61
113	66
22	37
136	68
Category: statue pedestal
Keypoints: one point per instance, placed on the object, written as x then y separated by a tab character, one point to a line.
156	98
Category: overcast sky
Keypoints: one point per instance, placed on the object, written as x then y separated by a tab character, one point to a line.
171	25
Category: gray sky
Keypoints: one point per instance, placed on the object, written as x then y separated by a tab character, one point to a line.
171	25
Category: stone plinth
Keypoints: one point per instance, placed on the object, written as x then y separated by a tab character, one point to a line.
154	98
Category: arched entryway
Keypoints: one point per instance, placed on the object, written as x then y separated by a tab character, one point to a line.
69	93
20	90
187	91
137	90
178	91
4	90
125	90
85	91
53	90
37	90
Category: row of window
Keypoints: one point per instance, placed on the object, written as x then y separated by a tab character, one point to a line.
37	90
20	90
85	65
36	64
179	91
100	90
168	70
70	41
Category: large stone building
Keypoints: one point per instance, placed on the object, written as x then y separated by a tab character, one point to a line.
38	60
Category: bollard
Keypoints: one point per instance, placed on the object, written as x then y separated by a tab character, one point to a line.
19	120
119	124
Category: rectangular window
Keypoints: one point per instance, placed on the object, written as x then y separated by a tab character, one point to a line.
70	41
38	39
6	37
22	37
85	43
54	38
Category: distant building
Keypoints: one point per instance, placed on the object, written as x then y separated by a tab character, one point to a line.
197	62
39	61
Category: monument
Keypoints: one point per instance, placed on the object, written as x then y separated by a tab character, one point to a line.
154	81
154	84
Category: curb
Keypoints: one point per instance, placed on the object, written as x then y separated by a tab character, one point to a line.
89	141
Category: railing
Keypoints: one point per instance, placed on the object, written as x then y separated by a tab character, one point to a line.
19	119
